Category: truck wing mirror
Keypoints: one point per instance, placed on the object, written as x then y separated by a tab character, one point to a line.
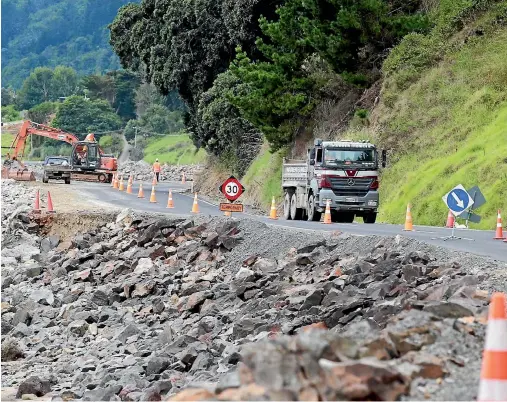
384	158
312	162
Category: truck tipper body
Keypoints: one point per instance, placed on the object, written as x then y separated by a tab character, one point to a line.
344	172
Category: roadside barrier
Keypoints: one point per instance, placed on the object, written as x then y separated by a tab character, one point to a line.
499	230
50	203
272	213
152	196
450	220
327	213
408	220
140	194
170	202
493	383
195	205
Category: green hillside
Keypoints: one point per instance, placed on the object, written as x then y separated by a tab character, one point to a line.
56	32
449	127
174	150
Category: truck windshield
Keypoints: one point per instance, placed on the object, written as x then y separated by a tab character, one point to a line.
336	157
55	161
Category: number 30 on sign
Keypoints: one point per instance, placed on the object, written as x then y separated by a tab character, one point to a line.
232	188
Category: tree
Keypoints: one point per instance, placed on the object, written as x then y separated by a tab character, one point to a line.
42	112
65	82
8	96
279	92
221	129
80	116
117	87
9	113
37	88
146	96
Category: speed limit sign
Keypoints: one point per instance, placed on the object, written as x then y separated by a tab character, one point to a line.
232	188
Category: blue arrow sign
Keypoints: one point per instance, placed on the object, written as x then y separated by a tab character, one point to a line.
458	200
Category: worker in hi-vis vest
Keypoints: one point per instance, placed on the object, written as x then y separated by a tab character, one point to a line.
156	169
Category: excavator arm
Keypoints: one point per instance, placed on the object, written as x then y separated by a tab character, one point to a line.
30	128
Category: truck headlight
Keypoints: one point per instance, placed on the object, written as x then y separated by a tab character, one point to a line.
372	203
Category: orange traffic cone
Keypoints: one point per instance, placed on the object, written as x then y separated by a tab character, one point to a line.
122	186
499	230
183	181
272	212
228	213
327	213
450	220
129	185
36	206
195	206
408	220
140	194
50	203
493	384
152	196
154	181
170	202
115	181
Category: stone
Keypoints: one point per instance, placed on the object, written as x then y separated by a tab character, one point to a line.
78	327
33	385
244	273
11	350
144	265
43	296
313	299
33	271
451	309
157	364
126	333
100	298
429	366
102	394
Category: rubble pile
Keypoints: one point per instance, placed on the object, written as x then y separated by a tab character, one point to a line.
143	171
148	308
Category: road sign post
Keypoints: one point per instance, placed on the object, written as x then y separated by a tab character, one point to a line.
232	189
458	200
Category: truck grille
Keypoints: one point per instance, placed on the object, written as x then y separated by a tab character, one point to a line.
350	186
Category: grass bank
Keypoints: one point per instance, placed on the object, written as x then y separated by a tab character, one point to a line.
174	150
448	127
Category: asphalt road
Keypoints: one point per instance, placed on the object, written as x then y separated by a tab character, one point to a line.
474	241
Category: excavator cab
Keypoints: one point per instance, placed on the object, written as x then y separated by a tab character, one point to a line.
86	156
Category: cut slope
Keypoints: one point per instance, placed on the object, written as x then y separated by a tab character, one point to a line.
449	128
174	150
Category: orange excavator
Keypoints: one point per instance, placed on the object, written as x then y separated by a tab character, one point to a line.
88	162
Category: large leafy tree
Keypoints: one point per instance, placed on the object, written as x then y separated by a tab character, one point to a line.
185	45
80	116
280	91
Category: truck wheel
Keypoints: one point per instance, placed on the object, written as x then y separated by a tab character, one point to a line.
67	180
295	212
45	179
370	218
286	206
312	213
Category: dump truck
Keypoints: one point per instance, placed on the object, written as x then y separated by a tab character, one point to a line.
345	173
56	168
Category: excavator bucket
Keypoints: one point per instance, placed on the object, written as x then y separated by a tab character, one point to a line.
17	174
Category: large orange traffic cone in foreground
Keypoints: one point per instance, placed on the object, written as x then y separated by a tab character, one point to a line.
140	194
129	185
50	203
327	213
195	206
170	202
408	220
36	206
493	384
450	220
499	230
152	196
272	212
